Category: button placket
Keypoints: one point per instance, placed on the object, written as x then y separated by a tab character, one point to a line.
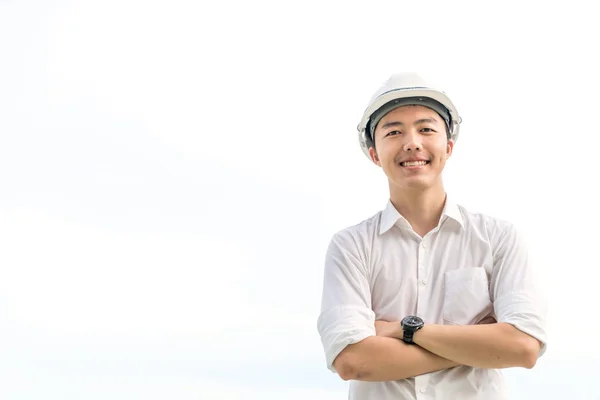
422	280
422	263
421	383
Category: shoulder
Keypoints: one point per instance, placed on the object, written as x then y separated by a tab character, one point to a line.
357	235
492	227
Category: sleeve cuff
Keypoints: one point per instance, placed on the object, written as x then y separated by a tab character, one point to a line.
525	313
342	326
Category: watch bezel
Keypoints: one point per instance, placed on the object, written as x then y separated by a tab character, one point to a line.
412	322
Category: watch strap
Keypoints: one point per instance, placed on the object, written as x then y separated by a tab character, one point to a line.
408	337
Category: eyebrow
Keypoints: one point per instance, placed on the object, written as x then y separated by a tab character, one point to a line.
417	122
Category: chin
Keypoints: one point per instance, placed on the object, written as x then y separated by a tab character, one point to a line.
414	184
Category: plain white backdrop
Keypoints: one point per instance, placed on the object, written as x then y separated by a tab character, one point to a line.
171	173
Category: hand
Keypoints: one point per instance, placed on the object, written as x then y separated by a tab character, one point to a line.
388	329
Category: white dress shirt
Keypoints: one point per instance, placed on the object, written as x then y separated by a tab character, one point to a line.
470	266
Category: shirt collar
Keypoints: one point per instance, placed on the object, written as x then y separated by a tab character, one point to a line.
390	216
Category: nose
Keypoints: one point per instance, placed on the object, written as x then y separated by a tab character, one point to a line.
413	142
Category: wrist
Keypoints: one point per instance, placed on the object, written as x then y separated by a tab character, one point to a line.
398	331
388	329
418	334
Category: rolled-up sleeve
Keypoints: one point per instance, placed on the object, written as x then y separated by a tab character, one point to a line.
516	298
346	315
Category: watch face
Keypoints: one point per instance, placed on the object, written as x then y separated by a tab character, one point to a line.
412	322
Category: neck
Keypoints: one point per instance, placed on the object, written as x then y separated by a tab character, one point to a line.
421	208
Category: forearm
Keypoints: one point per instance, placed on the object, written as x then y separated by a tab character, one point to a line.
497	345
378	358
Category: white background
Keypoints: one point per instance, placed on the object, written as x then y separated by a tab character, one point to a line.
171	173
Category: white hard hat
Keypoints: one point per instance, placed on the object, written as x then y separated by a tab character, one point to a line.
399	88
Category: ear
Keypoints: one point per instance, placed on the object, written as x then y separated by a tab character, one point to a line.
374	156
449	148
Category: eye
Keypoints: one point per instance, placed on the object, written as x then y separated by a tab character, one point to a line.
427	130
391	133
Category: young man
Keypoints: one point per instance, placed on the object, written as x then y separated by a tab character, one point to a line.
426	299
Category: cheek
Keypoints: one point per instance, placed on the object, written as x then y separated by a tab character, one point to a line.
385	155
441	151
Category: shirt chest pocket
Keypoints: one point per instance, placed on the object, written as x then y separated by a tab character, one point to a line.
466	296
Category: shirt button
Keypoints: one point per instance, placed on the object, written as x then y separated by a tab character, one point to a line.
424	245
423	282
422	390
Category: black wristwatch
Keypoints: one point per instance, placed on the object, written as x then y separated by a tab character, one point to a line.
410	325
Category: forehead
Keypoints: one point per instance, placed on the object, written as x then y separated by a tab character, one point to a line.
409	112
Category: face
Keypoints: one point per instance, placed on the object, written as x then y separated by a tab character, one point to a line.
412	147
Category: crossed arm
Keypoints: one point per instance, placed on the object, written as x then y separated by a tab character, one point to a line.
487	345
383	357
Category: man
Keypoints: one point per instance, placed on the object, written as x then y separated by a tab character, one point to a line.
426	299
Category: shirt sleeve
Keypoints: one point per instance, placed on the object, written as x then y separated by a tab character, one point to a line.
515	297
346	315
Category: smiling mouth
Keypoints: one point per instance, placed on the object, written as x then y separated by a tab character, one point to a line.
413	163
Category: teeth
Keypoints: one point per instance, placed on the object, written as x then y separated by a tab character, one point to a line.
413	163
